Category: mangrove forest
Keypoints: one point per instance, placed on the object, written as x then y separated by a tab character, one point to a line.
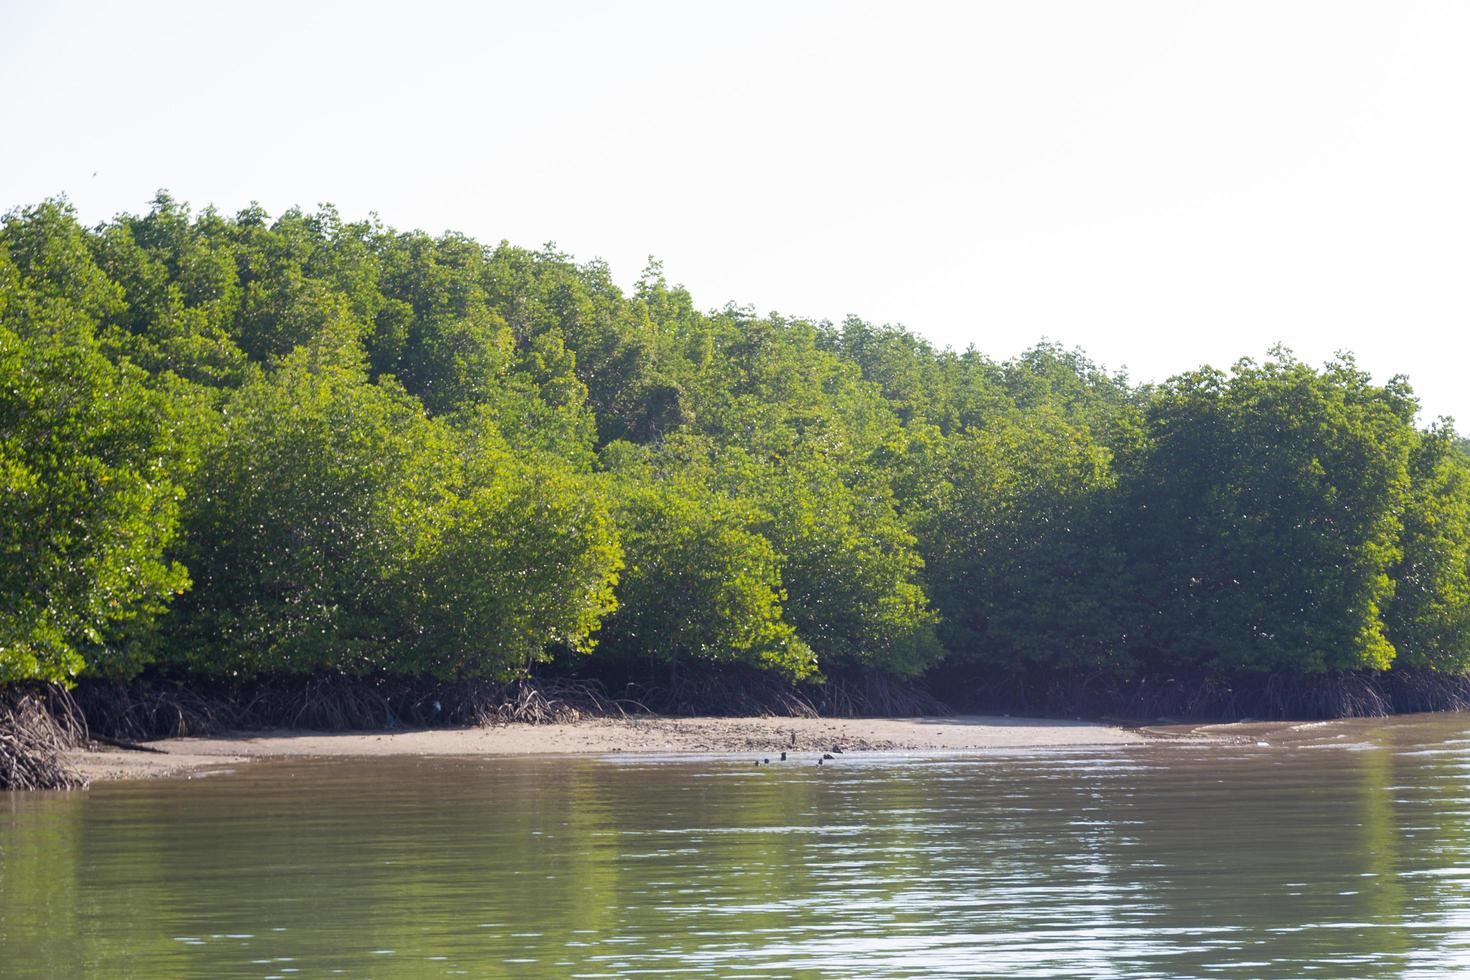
295	458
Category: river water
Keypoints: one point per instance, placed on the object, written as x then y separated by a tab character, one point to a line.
1337	850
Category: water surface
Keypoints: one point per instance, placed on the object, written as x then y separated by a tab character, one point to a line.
1331	851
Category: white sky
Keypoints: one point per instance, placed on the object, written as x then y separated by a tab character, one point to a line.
1163	183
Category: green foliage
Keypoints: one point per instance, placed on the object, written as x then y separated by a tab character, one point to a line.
428	456
523	562
1263	519
1429	618
1019	556
312	492
335	526
847	561
87	467
700	584
180	296
850	568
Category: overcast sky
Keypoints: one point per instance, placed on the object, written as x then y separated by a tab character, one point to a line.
1164	184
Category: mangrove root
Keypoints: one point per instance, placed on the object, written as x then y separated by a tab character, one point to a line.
37	726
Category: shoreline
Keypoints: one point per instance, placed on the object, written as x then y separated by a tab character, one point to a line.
175	757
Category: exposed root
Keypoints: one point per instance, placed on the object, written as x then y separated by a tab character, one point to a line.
1427	690
327	702
738	692
877	695
728	692
148	709
37	726
1220	697
524	701
140	711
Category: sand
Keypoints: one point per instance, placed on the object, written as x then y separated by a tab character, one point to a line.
189	756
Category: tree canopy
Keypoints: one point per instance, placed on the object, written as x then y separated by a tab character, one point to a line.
243	445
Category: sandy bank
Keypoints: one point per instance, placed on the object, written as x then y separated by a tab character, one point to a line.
606	736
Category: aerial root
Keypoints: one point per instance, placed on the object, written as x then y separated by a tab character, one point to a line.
1221	696
37	726
151	708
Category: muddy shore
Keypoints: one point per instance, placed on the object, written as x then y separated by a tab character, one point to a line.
184	756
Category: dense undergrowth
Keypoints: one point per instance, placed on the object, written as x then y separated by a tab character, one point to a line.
306	462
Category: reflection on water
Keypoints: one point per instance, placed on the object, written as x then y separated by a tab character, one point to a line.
1333	851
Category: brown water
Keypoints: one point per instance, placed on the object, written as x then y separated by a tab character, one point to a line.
1335	851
